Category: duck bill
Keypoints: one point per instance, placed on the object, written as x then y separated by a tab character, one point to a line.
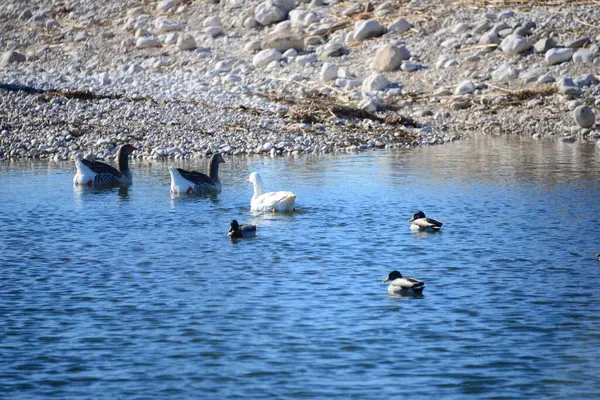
385	280
411	219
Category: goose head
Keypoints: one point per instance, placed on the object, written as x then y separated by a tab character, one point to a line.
417	215
393	275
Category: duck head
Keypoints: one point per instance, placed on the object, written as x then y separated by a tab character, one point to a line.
393	275
417	215
234	227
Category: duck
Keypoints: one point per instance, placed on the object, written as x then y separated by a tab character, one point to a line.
237	231
183	181
403	285
99	174
273	201
422	223
598	255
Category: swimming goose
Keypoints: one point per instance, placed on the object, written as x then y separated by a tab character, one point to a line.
237	231
189	182
421	223
97	173
272	201
400	285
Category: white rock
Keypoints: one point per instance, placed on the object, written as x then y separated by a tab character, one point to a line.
213	31
513	45
212	21
558	55
289	53
186	42
450	63
465	87
134	12
584	55
165	5
224	65
266	14
253	46
375	83
367	105
368	28
328	72
286	5
409	67
164	25
584	116
450	43
306	59
265	57
461	27
171	38
297	16
399	25
146	42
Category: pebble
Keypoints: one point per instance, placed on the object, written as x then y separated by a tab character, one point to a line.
267	14
465	87
400	25
282	41
146	42
367	29
543	45
584	116
568	87
328	72
332	49
186	42
584	55
265	57
505	72
389	58
409	66
374	83
513	45
577	43
558	55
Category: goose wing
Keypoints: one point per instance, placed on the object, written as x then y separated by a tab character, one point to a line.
271	199
198	178
101	168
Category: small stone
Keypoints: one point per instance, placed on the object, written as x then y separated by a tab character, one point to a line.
212	21
334	49
543	45
461	27
163	25
146	42
465	87
266	14
165	5
546	78
265	57
482	27
282	41
367	105
25	15
558	55
52	23
186	42
12	57
306	59
585	80
525	28
460	104
375	83
253	46
290	53
213	31
328	72
568	87
409	67
400	25
389	58
367	29
451	43
489	38
584	55
314	41
533	74
584	116
513	45
450	63
577	43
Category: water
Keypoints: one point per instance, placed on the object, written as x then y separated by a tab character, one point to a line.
133	294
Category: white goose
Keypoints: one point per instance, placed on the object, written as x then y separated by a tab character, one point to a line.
272	201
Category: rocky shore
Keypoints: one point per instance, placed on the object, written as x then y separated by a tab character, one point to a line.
187	78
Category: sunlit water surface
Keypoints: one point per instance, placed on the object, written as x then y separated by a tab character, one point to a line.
136	294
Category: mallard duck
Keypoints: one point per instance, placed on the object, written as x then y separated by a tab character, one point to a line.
400	285
238	231
598	255
183	181
97	173
421	223
272	201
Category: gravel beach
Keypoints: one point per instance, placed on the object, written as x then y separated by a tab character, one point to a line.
185	79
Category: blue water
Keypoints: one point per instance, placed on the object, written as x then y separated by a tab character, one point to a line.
136	294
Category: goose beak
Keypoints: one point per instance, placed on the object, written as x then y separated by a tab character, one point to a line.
248	181
385	280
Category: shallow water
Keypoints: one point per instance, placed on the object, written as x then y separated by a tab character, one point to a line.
134	293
